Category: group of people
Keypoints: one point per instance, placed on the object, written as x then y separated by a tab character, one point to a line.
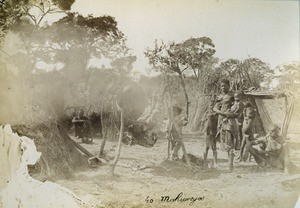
230	120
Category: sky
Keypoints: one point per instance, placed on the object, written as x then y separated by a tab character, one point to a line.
268	30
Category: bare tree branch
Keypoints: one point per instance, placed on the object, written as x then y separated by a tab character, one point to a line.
39	8
4	52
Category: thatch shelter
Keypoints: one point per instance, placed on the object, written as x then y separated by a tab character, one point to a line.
264	118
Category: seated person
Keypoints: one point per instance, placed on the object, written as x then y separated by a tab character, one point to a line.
266	151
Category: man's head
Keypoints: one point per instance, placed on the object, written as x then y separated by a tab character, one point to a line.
225	85
238	95
249	112
176	110
274	132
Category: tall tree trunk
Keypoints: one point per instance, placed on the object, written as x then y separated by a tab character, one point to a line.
103	131
185	95
115	161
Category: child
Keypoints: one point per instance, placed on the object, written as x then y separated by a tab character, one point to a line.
210	130
247	129
175	129
238	106
237	110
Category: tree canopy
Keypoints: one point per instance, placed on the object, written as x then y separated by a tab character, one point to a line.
63	52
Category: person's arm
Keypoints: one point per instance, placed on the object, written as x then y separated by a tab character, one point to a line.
262	141
79	121
240	107
256	142
227	114
217	108
169	126
76	120
275	150
230	115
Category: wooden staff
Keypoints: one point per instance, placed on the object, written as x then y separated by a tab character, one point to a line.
284	131
117	157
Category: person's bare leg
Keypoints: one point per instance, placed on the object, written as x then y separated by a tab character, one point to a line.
175	150
205	154
231	157
215	155
169	147
207	145
259	157
242	149
231	143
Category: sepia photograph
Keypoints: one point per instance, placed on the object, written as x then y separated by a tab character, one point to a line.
139	103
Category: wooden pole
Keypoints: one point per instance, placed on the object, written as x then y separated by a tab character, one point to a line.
81	148
169	147
284	130
287	119
64	134
117	157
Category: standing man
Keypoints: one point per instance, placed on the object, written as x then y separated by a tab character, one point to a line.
226	126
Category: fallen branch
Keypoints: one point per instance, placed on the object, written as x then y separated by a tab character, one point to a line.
65	135
93	160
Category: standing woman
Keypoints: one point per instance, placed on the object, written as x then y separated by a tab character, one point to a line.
226	126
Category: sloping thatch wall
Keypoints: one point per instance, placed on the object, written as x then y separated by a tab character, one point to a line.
271	109
264	116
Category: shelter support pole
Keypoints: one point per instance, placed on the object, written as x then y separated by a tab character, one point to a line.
284	130
287	118
117	157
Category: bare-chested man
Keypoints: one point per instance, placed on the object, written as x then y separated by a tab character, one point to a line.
226	127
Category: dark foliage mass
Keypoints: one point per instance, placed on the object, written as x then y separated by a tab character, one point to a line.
64	4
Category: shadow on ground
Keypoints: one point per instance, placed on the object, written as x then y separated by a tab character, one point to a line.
179	170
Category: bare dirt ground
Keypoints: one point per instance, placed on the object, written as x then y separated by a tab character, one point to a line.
143	175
